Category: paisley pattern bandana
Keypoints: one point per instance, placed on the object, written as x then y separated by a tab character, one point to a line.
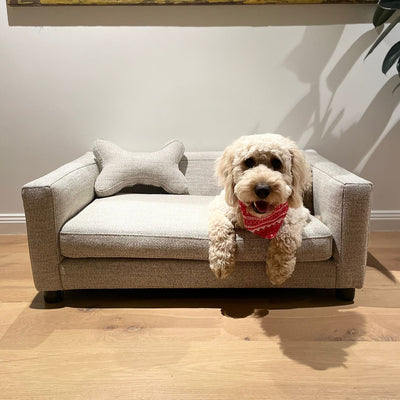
266	227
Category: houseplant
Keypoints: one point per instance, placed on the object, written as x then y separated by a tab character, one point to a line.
384	10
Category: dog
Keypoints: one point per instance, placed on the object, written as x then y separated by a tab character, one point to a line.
260	175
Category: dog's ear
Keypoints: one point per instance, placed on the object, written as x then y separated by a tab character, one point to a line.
224	167
302	179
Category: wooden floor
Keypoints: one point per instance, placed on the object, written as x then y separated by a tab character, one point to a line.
276	344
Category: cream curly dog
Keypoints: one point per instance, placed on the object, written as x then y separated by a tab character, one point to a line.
262	172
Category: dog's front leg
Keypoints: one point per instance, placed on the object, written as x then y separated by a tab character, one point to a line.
221	231
281	259
281	253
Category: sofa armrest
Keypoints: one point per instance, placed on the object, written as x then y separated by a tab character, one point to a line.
343	200
49	202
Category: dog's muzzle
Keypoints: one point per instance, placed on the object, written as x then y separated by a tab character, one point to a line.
262	207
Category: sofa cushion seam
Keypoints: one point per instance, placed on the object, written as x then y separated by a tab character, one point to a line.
171	237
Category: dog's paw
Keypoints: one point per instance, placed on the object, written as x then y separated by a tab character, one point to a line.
221	270
278	279
278	274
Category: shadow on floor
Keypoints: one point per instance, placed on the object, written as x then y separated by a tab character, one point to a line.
375	263
234	303
300	320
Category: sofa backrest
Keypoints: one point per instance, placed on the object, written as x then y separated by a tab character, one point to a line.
199	167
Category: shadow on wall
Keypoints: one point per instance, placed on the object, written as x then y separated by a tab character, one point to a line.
359	141
191	16
307	61
317	127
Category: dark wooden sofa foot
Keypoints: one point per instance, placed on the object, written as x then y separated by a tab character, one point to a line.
345	294
53	296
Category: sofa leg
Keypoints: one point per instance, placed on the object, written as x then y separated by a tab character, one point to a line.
346	294
53	296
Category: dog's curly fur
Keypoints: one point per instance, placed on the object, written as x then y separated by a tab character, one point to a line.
287	180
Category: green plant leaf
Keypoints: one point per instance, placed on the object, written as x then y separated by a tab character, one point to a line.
381	16
383	35
390	4
391	57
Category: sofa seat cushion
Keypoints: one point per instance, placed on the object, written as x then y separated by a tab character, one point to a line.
166	226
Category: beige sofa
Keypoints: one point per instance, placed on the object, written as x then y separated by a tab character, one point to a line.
144	238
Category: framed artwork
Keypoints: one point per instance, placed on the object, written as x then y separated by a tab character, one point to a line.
175	2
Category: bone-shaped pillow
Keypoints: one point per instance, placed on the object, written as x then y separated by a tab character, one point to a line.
120	168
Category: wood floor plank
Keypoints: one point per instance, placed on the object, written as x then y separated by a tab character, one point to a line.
389	240
296	344
210	370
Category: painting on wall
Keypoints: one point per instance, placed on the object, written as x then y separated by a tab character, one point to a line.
175	2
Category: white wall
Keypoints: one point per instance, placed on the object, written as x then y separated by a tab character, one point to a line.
203	74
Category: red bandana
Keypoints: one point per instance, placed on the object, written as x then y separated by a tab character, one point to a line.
266	227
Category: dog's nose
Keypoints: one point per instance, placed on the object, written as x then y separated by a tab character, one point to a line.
262	190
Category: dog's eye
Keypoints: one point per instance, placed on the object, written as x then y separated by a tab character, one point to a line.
276	163
249	163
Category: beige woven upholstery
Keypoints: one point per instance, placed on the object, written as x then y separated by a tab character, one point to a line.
133	240
166	226
120	168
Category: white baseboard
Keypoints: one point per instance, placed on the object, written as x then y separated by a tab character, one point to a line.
381	220
385	220
11	224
